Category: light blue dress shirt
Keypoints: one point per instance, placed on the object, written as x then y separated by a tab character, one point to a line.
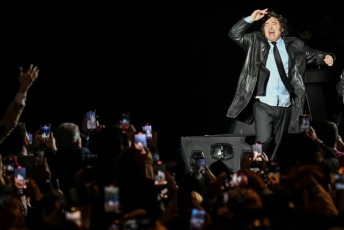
276	92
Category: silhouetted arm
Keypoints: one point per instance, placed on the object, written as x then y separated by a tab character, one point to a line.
14	111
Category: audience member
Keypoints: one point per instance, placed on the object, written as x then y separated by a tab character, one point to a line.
11	117
70	156
328	134
294	193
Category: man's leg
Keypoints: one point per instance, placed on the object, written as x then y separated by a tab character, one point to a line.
263	116
280	128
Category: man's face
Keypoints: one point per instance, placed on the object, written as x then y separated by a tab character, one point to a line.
272	29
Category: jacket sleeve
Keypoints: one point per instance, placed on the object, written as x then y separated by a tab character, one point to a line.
11	117
238	31
317	56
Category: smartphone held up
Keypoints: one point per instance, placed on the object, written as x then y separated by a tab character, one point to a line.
148	130
304	122
198	162
197	219
256	148
141	139
124	122
91	120
20	179
45	131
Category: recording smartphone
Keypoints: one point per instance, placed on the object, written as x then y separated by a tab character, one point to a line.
160	178
148	130
197	219
45	131
20	180
198	160
29	136
304	123
141	139
124	122
111	199
91	120
256	147
8	165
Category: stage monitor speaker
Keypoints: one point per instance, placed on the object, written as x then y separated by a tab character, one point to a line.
241	128
227	148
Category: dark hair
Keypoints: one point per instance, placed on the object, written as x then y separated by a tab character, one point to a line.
67	135
328	132
14	142
282	20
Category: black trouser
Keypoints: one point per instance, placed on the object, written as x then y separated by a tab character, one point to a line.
271	126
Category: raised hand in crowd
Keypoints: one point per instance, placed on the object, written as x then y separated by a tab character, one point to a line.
27	78
11	117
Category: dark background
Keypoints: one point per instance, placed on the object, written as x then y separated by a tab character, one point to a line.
169	63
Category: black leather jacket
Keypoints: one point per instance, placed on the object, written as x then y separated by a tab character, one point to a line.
257	48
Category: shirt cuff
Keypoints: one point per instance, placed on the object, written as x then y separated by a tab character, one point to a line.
248	19
20	98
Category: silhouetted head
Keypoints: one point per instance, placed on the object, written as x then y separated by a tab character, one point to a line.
327	132
67	136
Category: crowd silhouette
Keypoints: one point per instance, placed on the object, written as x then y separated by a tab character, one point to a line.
94	179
